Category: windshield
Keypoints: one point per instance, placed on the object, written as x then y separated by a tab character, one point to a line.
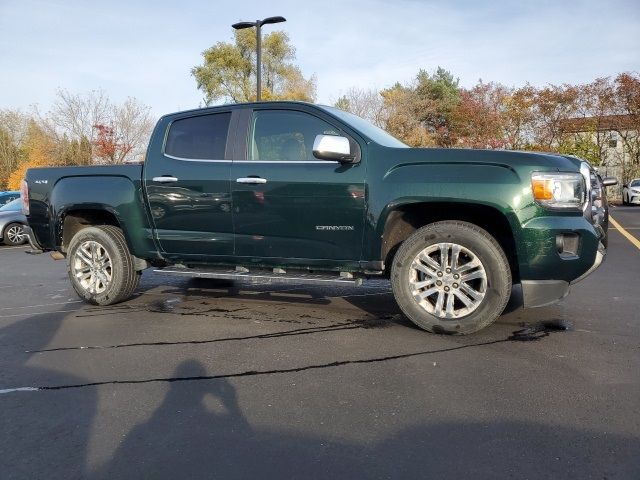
635	183
13	205
376	134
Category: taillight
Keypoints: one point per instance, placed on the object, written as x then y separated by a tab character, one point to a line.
24	195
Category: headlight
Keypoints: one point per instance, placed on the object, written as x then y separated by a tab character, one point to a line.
559	190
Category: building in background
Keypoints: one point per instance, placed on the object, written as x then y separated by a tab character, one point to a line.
615	140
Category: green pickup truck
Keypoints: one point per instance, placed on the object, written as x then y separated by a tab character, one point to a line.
296	192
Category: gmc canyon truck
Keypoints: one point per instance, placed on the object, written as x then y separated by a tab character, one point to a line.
305	193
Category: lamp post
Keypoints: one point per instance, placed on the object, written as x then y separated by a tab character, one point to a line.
258	24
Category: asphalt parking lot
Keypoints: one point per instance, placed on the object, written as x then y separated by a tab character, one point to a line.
236	380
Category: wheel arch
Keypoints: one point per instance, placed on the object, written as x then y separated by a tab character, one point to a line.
404	219
75	219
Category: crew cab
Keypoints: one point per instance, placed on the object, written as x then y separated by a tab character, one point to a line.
305	193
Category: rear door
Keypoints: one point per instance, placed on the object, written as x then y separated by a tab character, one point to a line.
288	204
187	184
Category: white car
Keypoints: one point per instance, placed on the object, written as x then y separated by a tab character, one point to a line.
631	192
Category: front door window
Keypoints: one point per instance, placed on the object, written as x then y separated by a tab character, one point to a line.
280	135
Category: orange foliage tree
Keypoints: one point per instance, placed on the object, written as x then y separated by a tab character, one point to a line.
40	152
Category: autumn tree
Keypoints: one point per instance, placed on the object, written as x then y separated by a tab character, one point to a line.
13	130
421	113
552	105
401	117
478	120
110	148
39	151
9	157
228	70
626	106
594	103
518	118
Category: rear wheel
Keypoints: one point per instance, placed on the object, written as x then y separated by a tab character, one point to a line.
101	269
14	234
451	277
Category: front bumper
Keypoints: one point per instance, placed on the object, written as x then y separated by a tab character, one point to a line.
540	293
634	198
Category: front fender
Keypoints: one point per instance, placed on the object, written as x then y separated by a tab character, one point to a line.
437	184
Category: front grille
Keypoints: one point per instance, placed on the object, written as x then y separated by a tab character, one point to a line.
598	209
595	203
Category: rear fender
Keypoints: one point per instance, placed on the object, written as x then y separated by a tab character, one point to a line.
118	196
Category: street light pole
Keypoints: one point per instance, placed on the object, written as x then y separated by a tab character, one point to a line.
258	24
259	61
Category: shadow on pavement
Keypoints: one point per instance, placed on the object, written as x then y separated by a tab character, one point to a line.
42	436
185	439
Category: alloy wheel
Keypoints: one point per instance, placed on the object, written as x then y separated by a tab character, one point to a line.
92	268
448	280
15	234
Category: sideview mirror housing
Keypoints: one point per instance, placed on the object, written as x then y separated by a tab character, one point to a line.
609	181
336	148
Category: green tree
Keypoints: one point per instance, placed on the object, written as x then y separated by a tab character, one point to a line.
438	96
74	152
228	71
582	145
422	113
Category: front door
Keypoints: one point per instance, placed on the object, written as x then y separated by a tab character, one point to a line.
288	204
187	184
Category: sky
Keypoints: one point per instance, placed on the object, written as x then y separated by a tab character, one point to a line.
145	49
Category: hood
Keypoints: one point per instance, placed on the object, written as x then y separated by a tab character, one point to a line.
512	158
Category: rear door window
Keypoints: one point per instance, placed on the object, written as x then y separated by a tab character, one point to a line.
198	138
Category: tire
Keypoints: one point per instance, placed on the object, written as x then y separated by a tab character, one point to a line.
485	286
13	234
113	277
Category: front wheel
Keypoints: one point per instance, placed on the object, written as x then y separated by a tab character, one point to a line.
101	269
451	277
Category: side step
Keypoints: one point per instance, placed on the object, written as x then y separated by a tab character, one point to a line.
276	275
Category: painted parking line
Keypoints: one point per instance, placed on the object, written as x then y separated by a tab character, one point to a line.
634	241
31	314
41	305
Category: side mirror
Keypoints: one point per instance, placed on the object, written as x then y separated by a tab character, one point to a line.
334	147
609	181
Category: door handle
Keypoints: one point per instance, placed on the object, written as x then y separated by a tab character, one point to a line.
251	180
165	179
